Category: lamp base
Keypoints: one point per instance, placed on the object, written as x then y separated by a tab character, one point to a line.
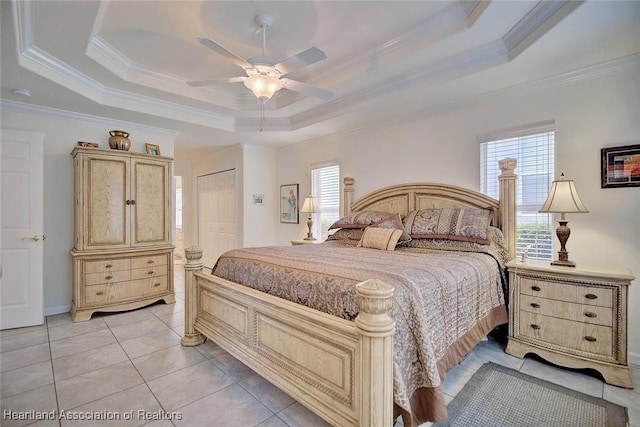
310	238
563	233
309	234
563	263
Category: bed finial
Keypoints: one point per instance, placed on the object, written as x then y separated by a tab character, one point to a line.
375	327
191	338
507	220
347	192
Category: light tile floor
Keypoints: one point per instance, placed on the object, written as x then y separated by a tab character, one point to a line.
131	365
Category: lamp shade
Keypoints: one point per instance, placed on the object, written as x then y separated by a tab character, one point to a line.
563	198
310	205
263	86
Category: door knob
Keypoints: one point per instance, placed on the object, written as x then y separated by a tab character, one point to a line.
35	238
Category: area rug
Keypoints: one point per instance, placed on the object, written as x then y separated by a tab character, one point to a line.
497	396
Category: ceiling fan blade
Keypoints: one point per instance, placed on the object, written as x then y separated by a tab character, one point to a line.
300	60
216	81
306	89
225	52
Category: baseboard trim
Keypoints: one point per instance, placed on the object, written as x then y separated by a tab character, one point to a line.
634	358
50	311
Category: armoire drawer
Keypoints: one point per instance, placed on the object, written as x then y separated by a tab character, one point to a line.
122	291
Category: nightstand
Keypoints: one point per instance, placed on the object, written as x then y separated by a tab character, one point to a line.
573	317
304	242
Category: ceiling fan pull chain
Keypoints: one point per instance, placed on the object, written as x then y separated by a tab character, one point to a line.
262	119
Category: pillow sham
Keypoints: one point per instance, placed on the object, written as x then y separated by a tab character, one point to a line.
360	219
470	225
347	234
380	238
394	222
497	246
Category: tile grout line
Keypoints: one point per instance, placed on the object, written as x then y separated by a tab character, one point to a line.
53	371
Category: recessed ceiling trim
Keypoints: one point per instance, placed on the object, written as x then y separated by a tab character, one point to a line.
111	59
485	57
42	63
544	16
20	107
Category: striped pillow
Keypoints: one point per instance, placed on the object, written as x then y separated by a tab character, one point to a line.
380	238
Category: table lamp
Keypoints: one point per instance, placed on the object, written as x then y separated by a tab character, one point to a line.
310	206
563	198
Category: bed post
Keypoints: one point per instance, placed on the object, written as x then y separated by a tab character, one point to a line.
347	193
507	220
194	263
375	328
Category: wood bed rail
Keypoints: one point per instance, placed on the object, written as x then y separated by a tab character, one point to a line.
341	370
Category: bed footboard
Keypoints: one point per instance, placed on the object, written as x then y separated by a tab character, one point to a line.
341	370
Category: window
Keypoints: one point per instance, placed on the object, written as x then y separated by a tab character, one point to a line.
535	155
325	186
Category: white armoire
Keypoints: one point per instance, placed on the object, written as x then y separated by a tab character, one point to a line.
122	255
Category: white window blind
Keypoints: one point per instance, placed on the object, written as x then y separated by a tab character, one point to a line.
325	186
535	155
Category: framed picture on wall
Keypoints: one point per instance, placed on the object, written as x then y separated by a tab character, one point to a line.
289	203
620	166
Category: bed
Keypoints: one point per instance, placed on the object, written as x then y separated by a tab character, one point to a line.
341	364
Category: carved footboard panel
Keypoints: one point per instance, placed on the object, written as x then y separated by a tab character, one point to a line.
324	362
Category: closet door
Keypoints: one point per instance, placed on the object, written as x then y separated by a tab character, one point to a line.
216	215
151	216
106	215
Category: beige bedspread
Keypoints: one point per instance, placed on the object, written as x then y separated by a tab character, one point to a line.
444	303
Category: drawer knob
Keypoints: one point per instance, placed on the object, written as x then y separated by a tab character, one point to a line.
590	314
108	277
536	288
150	261
591	296
534	326
108	265
156	285
535	305
99	293
590	338
150	273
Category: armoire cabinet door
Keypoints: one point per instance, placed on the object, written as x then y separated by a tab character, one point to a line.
106	214
151	217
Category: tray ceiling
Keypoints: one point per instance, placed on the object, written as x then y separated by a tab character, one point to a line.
130	60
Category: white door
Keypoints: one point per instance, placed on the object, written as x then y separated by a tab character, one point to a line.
216	215
21	290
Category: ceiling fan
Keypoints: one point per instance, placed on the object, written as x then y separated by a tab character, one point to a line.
264	76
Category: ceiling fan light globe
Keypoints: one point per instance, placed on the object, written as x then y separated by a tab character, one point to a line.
262	86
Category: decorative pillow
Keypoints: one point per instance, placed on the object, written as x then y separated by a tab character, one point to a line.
470	225
347	234
360	219
393	222
380	238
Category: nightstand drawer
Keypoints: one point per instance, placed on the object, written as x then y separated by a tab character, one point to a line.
569	292
567	310
572	335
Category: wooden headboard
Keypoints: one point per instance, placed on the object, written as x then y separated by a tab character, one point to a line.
404	198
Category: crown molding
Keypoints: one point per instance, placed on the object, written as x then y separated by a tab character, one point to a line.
20	107
544	16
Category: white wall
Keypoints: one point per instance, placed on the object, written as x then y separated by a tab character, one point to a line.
259	165
61	134
589	114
